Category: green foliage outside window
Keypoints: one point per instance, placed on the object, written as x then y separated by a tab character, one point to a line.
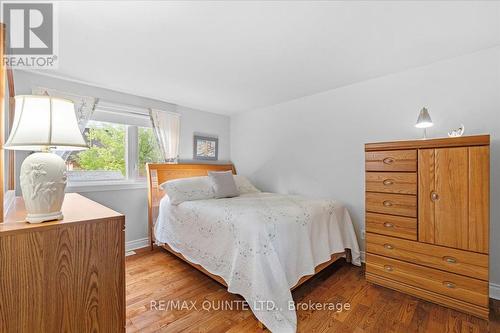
107	149
149	151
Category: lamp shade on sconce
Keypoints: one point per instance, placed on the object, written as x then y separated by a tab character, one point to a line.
424	119
43	123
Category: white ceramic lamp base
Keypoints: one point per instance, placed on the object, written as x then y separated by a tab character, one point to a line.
43	180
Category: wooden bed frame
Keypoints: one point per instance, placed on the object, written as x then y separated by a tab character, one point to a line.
159	173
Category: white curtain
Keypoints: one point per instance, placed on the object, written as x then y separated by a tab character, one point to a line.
166	126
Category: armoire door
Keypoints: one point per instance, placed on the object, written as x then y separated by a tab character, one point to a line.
454	197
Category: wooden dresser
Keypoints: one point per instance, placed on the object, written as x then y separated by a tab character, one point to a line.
427	219
63	276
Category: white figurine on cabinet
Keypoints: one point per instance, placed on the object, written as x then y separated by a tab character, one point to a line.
457	132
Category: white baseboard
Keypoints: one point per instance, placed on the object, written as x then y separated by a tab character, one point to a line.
136	244
494	288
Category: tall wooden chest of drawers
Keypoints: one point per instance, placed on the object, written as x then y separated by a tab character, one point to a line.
427	219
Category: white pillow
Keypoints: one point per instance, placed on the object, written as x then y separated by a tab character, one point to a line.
223	184
244	185
188	189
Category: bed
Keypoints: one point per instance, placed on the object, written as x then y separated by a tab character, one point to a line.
259	245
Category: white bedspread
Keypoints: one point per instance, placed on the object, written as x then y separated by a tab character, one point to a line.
261	244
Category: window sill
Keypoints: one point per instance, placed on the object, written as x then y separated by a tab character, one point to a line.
111	185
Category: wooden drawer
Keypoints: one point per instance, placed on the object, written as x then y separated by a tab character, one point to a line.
394	204
397	226
449	284
391	160
391	182
456	261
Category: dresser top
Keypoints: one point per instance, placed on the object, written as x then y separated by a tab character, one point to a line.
474	140
76	209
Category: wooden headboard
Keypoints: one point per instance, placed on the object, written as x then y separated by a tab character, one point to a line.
159	173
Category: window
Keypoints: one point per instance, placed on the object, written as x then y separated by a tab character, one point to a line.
105	158
149	151
120	145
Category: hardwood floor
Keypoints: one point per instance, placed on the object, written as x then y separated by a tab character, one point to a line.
154	278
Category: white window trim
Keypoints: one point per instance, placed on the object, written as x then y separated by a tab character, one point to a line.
132	152
131	180
106	185
133	117
8	200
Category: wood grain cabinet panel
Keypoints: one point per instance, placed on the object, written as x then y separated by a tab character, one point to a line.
396	160
434	244
479	199
449	284
466	263
451	197
64	276
394	204
426	184
454	197
391	182
443	196
390	225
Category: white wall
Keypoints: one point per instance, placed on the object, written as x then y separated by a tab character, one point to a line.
132	202
314	145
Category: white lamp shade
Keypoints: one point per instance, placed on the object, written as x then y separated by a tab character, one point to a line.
43	122
424	119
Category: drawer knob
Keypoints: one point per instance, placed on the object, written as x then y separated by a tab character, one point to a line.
387	203
388	225
388	160
388	268
388	246
449	284
388	182
450	260
434	196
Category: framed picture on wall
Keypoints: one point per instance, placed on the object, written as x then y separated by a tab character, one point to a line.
205	148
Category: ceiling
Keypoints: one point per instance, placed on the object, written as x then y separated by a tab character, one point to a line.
229	57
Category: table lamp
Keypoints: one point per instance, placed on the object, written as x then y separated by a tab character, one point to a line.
44	123
424	121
